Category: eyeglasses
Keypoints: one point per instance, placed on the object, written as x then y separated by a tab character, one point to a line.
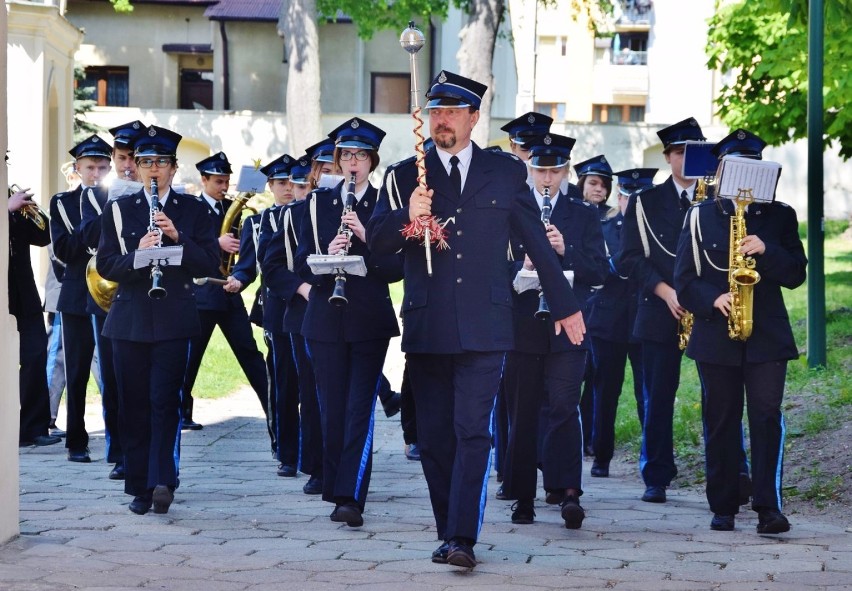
360	155
149	162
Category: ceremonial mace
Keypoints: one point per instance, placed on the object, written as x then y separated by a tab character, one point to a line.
426	227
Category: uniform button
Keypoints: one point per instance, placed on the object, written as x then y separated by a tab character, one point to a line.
714	246
458	232
459	280
458	255
493	202
459	210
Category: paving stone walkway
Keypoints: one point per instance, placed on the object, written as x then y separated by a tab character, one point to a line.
236	526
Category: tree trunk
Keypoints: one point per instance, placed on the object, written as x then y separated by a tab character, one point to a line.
298	24
476	54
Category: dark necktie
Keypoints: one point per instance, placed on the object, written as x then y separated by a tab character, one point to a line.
455	175
684	199
220	208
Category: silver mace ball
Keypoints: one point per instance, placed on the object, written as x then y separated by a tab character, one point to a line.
412	39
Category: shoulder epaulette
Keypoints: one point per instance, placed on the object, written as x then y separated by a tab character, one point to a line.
401	163
505	155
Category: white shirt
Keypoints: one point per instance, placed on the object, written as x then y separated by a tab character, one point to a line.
161	199
211	202
464	157
345	189
690	190
539	198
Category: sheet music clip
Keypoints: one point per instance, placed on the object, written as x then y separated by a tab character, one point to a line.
165	256
334	264
526	280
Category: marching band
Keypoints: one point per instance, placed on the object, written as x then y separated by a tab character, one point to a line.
521	257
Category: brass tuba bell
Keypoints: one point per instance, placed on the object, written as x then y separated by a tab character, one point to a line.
101	289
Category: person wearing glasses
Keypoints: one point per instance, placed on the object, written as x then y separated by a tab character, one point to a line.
347	343
150	337
223	306
92	163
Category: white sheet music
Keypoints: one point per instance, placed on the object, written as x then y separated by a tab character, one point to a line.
166	256
741	174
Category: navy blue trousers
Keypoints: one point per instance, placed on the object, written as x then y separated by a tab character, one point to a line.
661	375
310	426
284	399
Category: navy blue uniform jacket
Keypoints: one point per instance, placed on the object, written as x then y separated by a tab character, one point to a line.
369	314
23	294
278	274
92	206
782	265
133	315
467	304
70	247
209	296
584	255
663	220
612	309
245	269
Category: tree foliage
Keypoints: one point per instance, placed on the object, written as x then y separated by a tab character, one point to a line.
370	16
122	5
762	47
83	103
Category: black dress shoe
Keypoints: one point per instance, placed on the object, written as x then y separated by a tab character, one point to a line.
500	495
523	512
722	522
391	404
572	512
460	553
771	521
191	425
654	494
54	430
412	452
600	470
439	556
117	473
140	505
589	451
286	470
348	513
40	441
79	455
162	498
554	497
313	486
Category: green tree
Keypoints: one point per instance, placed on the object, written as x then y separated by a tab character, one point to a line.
83	103
762	48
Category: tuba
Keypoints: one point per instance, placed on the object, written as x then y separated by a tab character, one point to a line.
742	276
232	224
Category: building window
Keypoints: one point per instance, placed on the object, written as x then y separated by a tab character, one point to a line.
109	84
196	89
564	46
555	111
390	93
630	49
617	113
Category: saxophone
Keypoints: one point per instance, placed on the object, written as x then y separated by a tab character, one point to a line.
742	276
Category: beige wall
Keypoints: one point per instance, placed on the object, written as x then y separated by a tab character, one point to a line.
256	68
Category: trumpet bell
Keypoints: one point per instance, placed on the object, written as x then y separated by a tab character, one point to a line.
102	290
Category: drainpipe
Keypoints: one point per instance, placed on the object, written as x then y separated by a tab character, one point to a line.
226	74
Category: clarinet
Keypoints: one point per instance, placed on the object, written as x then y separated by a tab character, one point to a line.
157	292
338	295
543	312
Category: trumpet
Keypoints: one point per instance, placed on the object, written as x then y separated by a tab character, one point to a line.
543	312
338	295
31	211
157	292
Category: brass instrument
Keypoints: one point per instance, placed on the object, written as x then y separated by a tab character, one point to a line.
742	276
338	295
157	292
543	312
31	211
100	289
233	224
684	327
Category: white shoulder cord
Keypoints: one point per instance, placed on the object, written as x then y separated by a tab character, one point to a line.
272	222
117	221
287	222
64	215
255	236
394	198
695	230
643	222
313	213
93	200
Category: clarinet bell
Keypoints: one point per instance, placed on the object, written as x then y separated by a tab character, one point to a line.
543	312
157	292
338	296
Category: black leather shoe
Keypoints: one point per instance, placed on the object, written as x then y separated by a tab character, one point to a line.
460	553
523	512
554	497
391	404
40	441
79	455
588	450
117	473
654	494
572	512
439	556
54	430
191	425
500	495
348	513
140	505
286	470
722	522
313	486
162	498
744	488
412	452
600	470
771	521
